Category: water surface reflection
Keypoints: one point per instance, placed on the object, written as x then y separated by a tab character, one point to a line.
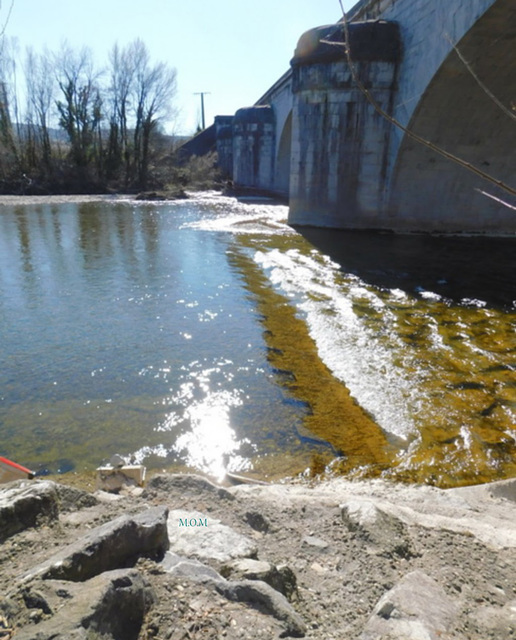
203	333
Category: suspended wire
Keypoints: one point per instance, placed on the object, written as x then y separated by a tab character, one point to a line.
4	27
484	88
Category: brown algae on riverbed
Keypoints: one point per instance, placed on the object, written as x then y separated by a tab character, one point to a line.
461	355
332	414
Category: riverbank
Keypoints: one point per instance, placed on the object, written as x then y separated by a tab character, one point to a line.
186	559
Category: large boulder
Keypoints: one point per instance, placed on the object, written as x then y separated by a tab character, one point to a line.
417	608
111	606
384	533
187	485
26	504
264	597
194	534
114	545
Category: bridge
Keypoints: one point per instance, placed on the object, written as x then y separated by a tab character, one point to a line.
340	135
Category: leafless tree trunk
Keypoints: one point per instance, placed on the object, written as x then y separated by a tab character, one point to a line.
154	89
121	74
80	110
40	83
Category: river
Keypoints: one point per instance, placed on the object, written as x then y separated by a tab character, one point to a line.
207	334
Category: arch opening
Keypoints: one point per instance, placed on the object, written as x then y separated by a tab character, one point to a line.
430	192
282	174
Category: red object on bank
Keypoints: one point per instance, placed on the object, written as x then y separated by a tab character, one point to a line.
10	471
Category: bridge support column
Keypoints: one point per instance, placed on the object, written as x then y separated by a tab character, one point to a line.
224	142
254	147
340	144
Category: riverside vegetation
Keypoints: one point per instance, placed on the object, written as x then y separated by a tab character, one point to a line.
364	560
84	129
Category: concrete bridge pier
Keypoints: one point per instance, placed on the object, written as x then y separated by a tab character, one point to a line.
340	144
254	139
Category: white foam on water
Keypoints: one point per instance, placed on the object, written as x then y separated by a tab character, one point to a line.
228	214
366	359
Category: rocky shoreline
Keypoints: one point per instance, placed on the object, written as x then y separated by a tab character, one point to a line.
184	558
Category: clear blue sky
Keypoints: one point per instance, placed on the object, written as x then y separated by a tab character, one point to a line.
234	49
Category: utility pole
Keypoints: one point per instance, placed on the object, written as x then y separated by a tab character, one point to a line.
202	94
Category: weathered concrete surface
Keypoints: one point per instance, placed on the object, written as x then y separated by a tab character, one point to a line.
339	144
426	191
254	135
111	546
224	144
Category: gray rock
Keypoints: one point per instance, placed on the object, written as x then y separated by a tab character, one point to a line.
187	485
316	543
209	540
26	504
417	608
257	521
114	545
263	597
111	606
34	599
281	579
496	620
384	532
72	499
505	489
254	592
188	568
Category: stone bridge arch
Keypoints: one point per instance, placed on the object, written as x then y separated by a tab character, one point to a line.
351	170
429	192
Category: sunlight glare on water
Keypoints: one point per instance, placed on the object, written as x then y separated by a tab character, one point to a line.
140	329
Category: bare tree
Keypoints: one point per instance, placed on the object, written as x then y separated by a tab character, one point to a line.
80	109
41	88
121	78
154	89
8	97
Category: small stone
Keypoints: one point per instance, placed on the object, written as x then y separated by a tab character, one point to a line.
281	578
317	543
257	521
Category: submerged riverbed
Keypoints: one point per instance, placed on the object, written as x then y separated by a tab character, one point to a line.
207	334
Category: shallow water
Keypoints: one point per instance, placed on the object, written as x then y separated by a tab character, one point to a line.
191	334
